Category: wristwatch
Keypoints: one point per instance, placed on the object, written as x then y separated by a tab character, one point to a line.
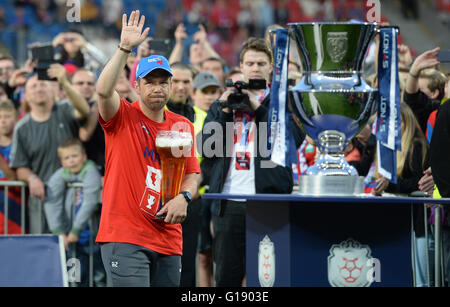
187	196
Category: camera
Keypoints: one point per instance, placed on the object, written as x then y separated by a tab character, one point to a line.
160	45
239	100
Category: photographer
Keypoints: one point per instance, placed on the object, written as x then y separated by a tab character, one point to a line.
241	173
71	47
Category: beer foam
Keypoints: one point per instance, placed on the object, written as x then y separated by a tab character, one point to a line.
173	141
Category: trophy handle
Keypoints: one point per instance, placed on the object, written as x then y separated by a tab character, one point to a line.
303	52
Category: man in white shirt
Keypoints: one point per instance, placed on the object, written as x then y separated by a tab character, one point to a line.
239	170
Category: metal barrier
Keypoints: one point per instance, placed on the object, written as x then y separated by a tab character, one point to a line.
438	263
438	252
8	184
439	277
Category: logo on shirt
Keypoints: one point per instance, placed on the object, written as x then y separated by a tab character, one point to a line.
152	154
151	199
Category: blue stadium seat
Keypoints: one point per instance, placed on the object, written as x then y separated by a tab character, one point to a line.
8	37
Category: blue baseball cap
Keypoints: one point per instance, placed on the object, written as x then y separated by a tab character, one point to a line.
150	63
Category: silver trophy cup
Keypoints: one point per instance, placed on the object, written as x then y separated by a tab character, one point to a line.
332	102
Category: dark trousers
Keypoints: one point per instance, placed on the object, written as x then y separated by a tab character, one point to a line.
130	265
191	228
229	244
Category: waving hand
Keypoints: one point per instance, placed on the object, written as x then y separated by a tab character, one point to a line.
132	34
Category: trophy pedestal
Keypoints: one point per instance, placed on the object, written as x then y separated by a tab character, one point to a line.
331	185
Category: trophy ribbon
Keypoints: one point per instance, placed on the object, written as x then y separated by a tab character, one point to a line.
388	119
280	137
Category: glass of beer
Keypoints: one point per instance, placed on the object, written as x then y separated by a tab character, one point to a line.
173	148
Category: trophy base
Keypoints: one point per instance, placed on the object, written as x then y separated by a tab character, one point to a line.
331	185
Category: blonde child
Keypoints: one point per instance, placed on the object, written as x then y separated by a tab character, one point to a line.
72	212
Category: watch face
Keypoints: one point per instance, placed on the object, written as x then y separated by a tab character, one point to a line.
187	195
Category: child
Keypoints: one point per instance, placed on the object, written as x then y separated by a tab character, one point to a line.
8	119
69	209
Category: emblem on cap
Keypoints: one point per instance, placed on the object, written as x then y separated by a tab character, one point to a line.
157	60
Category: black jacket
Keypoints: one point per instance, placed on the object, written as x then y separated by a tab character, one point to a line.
408	183
422	106
278	179
440	150
184	109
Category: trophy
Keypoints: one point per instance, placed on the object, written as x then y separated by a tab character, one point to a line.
332	102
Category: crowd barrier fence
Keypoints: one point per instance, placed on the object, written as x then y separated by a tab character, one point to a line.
6	185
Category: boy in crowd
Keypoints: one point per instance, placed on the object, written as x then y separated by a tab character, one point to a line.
72	212
8	119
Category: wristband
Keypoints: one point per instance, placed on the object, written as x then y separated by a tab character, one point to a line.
412	75
32	177
124	50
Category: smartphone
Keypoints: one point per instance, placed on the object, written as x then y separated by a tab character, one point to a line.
444	56
45	56
42	52
161	46
191	29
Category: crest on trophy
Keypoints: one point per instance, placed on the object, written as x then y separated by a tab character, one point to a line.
266	262
337	45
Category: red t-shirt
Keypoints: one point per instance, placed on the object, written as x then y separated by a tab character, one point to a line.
131	176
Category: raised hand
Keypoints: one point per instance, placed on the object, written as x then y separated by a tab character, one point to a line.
57	71
201	35
404	55
180	33
132	34
144	49
428	59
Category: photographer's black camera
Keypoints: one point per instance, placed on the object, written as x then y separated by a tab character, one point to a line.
239	100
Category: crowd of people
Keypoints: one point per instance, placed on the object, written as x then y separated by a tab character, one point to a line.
76	125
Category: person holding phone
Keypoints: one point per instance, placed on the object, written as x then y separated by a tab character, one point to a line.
71	47
37	135
199	50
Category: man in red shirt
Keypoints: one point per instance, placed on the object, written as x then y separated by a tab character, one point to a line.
141	244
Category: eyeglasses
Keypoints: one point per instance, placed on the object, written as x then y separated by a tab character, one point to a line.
84	82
